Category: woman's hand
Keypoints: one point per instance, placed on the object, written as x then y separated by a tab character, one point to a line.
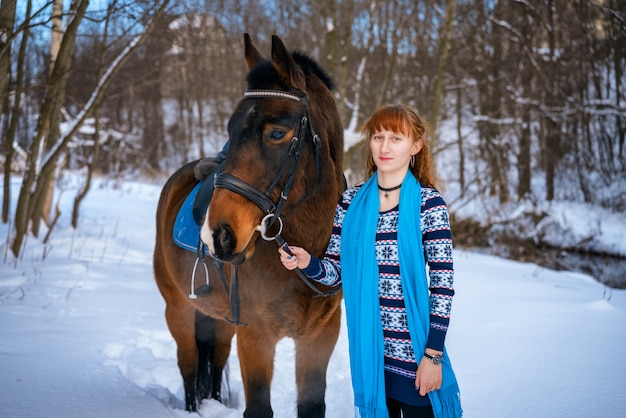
300	258
428	377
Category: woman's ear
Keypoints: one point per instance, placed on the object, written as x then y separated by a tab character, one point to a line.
417	147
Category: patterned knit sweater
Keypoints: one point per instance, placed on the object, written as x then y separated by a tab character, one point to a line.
400	360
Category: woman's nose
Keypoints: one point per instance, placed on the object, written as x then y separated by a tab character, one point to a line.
384	145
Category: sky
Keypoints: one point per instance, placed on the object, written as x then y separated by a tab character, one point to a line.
83	333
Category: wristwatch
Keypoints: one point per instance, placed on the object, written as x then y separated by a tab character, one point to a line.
436	359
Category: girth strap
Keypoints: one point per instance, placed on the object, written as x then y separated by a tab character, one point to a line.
235	300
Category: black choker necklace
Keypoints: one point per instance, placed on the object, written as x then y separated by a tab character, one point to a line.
390	189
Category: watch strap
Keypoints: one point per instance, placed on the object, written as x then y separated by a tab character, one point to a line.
436	359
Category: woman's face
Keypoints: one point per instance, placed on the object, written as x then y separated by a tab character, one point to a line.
392	151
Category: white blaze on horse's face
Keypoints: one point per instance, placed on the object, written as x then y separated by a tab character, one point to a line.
229	226
205	234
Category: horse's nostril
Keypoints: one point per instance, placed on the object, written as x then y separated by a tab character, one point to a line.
225	241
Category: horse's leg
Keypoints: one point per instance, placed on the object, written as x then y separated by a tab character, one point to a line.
213	338
224	334
256	357
180	317
204	337
313	351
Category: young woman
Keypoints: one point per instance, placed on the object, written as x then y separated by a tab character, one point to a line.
386	232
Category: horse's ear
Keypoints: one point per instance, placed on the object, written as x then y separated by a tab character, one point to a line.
286	67
251	53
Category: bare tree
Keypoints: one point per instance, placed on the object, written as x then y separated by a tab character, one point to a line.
27	200
37	179
445	38
91	166
7	20
56	36
335	19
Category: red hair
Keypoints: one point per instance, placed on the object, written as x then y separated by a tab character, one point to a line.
403	119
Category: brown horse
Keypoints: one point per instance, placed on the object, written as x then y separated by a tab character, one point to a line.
281	180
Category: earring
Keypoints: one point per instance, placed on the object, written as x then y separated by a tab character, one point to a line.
413	160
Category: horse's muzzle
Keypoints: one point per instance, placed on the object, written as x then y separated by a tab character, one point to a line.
222	244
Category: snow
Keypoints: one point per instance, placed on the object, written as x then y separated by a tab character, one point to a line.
562	223
83	334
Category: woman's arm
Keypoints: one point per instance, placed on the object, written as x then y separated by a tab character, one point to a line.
437	241
326	271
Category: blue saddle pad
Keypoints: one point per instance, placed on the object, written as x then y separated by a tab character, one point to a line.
186	230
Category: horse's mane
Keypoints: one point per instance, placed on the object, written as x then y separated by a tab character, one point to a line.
258	76
310	66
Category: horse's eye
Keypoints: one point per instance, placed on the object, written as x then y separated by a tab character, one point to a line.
277	135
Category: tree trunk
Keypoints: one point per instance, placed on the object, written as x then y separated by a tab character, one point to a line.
57	32
153	131
7	20
328	12
201	130
42	202
56	37
96	136
389	70
153	127
445	39
90	169
343	70
523	164
524	172
459	133
551	126
358	82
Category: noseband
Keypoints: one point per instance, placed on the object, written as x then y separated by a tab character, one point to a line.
273	210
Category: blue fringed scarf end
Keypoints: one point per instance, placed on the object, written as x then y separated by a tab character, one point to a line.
451	407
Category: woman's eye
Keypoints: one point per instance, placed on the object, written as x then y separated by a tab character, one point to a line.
277	135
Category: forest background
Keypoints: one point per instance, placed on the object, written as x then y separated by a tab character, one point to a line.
526	98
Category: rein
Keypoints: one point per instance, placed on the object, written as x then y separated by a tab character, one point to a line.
273	210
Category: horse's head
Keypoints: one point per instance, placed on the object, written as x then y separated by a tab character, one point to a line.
285	151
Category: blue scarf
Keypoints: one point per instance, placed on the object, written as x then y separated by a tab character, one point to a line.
359	271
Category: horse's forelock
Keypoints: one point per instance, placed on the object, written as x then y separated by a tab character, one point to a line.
263	76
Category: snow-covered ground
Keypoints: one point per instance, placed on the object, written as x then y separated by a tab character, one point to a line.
82	330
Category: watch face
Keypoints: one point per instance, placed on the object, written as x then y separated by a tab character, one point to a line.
437	359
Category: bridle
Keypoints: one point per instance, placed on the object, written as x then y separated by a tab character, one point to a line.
271	210
262	200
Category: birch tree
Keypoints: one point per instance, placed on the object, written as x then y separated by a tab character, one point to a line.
56	36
